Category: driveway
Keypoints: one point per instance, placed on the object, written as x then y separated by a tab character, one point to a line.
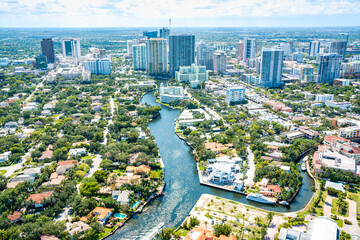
250	173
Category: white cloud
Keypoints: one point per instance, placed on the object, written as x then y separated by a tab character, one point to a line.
82	11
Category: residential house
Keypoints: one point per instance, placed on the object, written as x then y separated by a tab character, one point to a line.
118	181
77	151
15	217
4	157
38	198
22	178
142	168
46	155
122	197
102	214
78	227
34	172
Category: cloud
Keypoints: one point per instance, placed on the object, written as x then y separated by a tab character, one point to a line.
154	10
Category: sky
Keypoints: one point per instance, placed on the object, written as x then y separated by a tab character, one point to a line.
184	13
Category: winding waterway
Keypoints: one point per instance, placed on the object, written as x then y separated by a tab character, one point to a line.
183	188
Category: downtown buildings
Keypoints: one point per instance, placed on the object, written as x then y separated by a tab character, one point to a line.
139	56
249	51
181	52
71	48
235	95
338	47
193	74
98	66
314	48
47	49
205	55
329	68
271	68
219	62
156	56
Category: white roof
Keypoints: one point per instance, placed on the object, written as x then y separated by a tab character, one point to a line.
323	228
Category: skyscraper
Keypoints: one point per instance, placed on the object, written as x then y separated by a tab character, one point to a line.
71	48
164	33
314	48
219	62
156	56
139	55
205	56
41	62
181	52
249	48
239	50
47	48
329	68
338	47
98	66
150	34
291	43
271	68
307	74
129	47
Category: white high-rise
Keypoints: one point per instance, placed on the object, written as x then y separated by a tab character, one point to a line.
249	48
314	48
156	56
71	48
129	46
98	66
139	56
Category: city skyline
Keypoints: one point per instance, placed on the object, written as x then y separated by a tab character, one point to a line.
184	13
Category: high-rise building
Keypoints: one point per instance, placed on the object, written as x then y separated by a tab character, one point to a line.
271	68
41	62
291	44
181	52
219	62
47	49
314	48
164	33
307	74
240	50
249	48
98	53
286	48
338	47
71	48
98	66
139	56
150	34
156	56
205	56
129	47
329	68
234	95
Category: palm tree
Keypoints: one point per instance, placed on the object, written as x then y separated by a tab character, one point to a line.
270	217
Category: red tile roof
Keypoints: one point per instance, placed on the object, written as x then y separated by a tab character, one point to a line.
15	216
38	197
68	162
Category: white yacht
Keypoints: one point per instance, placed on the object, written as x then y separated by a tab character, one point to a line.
257	197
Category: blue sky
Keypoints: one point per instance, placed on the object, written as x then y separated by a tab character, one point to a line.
184	13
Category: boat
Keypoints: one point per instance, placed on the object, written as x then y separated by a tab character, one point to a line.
285	203
303	166
257	197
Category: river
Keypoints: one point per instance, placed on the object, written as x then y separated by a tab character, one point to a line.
183	188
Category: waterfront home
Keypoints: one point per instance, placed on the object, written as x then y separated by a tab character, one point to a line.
264	182
216	147
335	185
102	214
122	197
270	190
238	185
118	181
285	168
142	168
78	227
221	173
38	198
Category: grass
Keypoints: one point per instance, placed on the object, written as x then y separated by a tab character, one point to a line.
87	157
2	172
354	194
106	232
335	209
182	232
339	222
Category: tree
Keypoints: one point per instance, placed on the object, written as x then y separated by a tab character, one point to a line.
100	175
222	229
193	222
270	217
89	188
165	234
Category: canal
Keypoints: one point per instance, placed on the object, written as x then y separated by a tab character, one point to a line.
183	188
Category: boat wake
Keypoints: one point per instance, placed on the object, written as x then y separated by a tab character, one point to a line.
152	232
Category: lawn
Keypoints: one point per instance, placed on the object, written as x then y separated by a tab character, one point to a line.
2	172
341	211
339	222
182	232
354	194
87	157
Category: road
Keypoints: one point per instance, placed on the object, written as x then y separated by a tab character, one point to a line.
250	173
112	110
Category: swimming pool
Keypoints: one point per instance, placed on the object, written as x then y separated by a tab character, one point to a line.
120	215
135	204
